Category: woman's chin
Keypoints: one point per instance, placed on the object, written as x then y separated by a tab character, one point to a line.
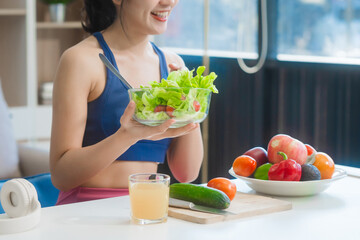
159	30
157	33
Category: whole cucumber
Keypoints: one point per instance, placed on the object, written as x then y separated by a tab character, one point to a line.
200	195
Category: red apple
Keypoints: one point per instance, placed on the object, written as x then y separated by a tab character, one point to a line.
292	147
259	154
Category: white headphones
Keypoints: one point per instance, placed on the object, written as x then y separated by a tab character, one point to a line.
20	202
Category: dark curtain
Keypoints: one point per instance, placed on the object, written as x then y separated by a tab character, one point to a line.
315	103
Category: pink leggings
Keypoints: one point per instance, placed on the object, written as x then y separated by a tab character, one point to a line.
81	194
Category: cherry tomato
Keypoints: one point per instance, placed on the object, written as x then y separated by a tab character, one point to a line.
196	105
325	164
224	185
244	165
169	111
160	108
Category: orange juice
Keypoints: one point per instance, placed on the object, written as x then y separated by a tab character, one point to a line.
149	198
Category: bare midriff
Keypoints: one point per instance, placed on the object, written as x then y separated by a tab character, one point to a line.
117	174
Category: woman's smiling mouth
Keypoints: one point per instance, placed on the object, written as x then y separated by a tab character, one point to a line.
161	16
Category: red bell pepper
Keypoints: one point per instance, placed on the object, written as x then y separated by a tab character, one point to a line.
286	170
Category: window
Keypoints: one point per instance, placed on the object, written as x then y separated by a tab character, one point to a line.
325	28
301	30
185	26
233	26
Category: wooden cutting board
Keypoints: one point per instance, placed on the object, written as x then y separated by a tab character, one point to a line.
243	205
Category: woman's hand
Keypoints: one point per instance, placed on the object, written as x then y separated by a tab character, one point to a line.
140	131
175	67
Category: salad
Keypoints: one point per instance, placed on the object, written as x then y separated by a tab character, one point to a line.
181	96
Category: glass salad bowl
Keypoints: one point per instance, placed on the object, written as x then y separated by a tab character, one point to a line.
184	104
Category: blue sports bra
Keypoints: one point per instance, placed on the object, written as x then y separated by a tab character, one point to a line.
104	113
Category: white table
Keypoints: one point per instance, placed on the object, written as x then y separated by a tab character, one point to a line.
333	214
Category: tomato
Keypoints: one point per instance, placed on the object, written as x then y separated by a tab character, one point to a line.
325	164
196	105
169	111
165	108
311	152
310	149
160	108
224	185
244	165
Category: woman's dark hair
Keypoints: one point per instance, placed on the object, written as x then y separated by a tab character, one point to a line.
98	15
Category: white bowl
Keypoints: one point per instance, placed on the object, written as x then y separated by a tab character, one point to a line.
290	188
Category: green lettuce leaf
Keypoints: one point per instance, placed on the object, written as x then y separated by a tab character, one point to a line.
179	91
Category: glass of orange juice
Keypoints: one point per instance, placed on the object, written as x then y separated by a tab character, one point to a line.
149	197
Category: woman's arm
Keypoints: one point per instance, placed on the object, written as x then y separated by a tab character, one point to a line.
70	164
185	156
186	152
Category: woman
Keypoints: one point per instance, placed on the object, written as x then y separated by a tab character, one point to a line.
95	143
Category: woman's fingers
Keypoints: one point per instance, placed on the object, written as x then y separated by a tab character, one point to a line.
128	113
174	67
157	132
195	126
163	127
175	132
153	133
